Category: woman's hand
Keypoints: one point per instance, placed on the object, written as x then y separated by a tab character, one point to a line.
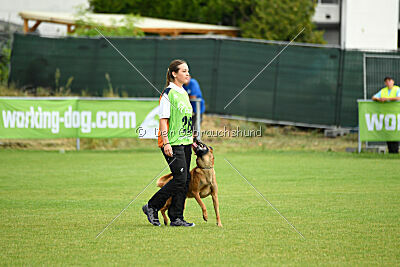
168	150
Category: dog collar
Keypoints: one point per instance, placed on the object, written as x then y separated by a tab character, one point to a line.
207	168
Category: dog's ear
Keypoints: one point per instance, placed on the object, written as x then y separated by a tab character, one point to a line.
211	148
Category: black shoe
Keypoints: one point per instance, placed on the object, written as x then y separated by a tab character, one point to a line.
181	222
152	215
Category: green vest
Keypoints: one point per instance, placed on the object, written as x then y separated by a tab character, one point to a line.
180	120
393	92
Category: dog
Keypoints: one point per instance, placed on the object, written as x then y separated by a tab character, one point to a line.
202	184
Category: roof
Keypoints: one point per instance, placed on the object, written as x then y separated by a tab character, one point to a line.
146	24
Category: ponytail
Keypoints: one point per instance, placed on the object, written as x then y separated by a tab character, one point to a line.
173	67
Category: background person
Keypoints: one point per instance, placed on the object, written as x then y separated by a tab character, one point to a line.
175	139
193	89
390	93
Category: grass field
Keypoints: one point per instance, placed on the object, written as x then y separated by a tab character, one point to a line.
53	205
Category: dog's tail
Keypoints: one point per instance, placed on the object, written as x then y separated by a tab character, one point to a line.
163	180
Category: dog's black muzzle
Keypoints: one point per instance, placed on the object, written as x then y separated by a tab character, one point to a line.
199	148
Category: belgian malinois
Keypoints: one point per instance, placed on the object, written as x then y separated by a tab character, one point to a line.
202	184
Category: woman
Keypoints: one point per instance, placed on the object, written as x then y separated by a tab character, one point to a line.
175	139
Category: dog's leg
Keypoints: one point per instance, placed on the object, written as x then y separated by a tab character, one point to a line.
214	195
164	209
203	207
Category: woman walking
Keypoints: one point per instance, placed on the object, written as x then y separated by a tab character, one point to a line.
175	139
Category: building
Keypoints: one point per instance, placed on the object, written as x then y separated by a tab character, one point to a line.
56	18
359	24
9	12
352	24
33	19
327	18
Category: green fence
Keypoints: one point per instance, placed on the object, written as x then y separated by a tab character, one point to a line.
307	85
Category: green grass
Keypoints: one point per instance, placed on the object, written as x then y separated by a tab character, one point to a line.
53	205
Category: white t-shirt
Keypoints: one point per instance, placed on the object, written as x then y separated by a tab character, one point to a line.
165	105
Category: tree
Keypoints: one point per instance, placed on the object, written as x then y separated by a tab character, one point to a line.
262	19
281	20
5	55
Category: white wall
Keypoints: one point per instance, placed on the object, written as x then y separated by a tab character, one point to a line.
370	24
327	14
9	10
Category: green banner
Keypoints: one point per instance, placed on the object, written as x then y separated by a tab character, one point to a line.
77	117
379	121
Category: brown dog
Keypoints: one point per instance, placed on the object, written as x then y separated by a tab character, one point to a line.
202	183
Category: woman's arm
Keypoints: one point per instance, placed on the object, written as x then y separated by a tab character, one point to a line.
378	99
393	98
164	137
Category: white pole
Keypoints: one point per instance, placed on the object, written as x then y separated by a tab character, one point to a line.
358	111
197	126
198	119
365	75
78	144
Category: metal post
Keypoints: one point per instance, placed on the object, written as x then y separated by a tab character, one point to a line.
359	141
365	75
78	144
198	119
197	126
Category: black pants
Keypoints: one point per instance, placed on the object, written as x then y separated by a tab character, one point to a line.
393	147
177	187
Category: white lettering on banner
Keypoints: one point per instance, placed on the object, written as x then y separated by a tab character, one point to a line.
377	122
75	119
8	119
86	120
20	119
390	122
34	119
129	117
398	125
55	119
68	118
46	120
112	119
72	119
100	119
